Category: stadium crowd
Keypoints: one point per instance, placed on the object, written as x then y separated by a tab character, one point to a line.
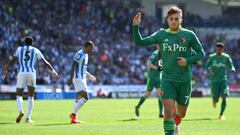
61	27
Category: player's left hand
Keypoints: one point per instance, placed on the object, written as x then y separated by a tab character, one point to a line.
160	92
69	82
92	78
182	61
55	73
159	68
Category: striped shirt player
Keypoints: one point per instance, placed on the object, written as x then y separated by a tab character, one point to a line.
26	56
79	80
78	76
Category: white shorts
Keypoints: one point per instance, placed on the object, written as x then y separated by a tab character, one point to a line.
80	85
26	79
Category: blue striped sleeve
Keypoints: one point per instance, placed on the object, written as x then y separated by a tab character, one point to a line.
32	59
82	66
76	70
77	57
21	59
26	60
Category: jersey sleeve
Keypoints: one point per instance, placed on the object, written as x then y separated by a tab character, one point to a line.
208	64
152	57
77	57
39	54
230	63
197	47
16	53
139	41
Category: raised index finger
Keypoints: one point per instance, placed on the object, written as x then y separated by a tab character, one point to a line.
138	14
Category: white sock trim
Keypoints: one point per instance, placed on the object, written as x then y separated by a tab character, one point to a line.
78	104
19	103
30	107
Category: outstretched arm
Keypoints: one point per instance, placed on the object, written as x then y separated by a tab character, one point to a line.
230	64
197	46
139	41
9	65
207	67
49	66
152	66
72	72
91	77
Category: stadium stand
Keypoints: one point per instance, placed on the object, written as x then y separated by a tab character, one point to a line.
61	27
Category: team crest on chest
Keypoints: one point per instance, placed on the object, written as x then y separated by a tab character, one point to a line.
183	40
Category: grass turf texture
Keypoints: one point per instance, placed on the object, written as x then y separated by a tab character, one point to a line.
116	117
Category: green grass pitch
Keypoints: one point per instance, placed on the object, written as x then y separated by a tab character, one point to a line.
116	117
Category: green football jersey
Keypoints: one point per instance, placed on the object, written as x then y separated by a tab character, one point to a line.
153	73
173	45
219	65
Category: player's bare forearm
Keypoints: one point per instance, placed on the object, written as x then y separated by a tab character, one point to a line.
88	74
91	77
50	67
11	62
72	70
8	66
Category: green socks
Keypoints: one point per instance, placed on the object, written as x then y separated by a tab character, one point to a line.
142	99
223	106
168	126
160	104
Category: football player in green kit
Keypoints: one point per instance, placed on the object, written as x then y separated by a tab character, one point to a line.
217	66
153	81
176	44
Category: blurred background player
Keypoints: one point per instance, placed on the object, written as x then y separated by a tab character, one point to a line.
78	75
217	65
176	44
26	57
153	81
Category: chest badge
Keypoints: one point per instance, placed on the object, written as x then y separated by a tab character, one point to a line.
183	40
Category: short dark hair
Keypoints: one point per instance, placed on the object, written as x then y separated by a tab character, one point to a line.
174	10
220	44
28	40
89	44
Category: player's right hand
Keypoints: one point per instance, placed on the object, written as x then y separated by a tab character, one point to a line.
211	73
69	82
5	72
233	70
159	68
55	73
137	18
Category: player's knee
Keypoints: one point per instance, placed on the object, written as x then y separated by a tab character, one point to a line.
86	97
82	94
168	113
147	94
224	97
182	115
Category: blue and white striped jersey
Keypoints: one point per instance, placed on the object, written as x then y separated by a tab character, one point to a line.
81	68
27	56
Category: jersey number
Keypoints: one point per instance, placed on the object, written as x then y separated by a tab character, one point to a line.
27	57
